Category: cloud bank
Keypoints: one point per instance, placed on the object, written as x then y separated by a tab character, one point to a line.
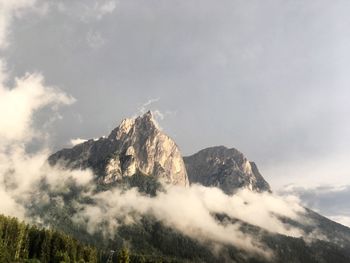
191	211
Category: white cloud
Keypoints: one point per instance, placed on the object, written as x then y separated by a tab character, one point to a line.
157	114
77	141
190	211
9	205
18	104
145	106
19	170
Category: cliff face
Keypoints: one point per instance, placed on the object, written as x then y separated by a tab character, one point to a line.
224	168
136	145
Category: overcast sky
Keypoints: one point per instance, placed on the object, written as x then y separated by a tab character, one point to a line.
270	78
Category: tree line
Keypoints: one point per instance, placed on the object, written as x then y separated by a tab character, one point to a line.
20	242
24	243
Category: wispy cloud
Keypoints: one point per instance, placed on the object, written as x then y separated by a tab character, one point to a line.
77	141
145	106
95	40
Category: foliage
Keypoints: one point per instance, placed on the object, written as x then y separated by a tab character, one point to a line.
123	256
20	242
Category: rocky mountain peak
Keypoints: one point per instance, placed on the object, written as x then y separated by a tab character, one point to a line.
137	145
144	123
225	168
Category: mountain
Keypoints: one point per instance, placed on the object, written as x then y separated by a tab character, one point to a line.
138	152
224	168
136	146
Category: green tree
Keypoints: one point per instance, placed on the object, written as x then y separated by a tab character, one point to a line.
123	256
4	255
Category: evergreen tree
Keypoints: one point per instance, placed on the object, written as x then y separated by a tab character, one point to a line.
123	256
20	242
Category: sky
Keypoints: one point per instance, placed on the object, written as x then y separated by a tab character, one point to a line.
270	78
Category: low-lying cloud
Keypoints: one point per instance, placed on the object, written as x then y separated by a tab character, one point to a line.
191	211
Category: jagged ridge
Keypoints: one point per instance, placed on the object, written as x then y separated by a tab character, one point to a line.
136	145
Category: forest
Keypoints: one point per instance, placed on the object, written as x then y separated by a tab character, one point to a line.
24	243
21	242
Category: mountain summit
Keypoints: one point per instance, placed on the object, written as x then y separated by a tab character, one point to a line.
137	145
224	168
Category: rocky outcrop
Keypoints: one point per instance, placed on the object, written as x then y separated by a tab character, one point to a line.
135	146
225	168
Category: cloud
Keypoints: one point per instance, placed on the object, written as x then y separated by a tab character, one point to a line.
77	141
18	104
95	40
145	106
21	172
157	114
329	200
190	211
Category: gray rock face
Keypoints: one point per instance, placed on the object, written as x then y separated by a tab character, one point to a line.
135	146
225	168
